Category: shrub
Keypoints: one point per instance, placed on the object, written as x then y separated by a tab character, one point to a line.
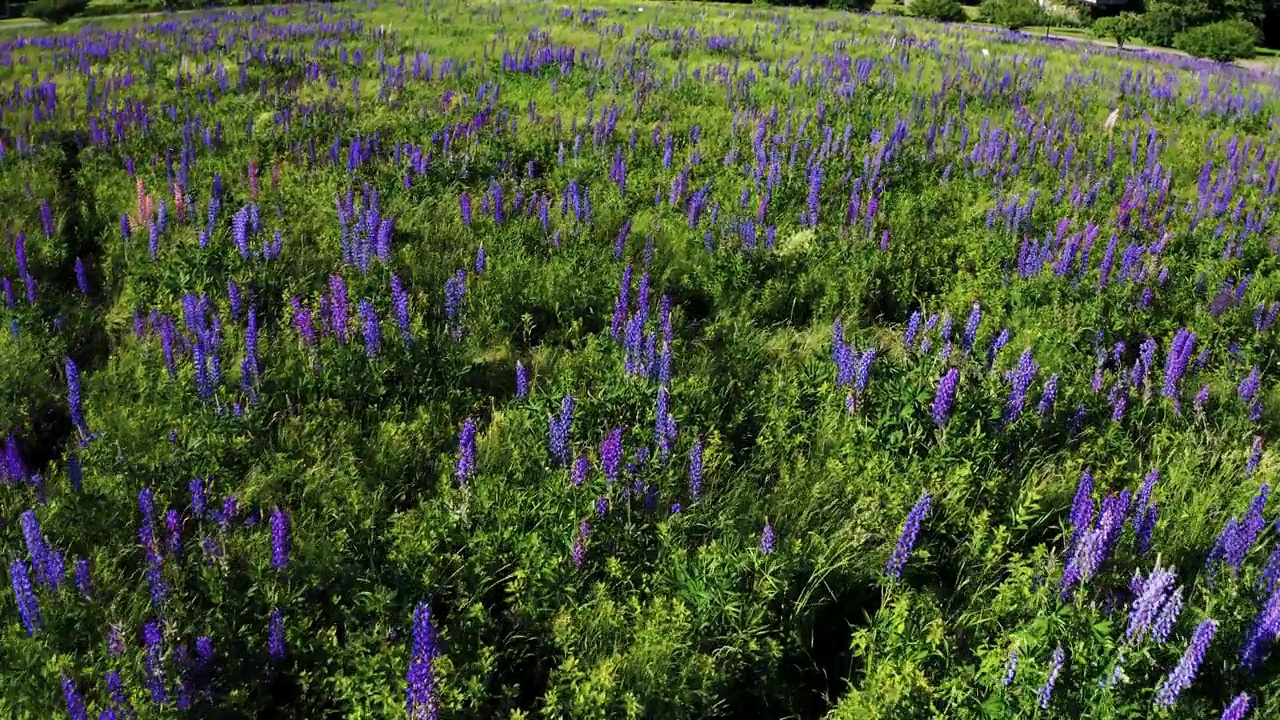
1119	28
1013	14
852	5
1223	41
942	10
56	12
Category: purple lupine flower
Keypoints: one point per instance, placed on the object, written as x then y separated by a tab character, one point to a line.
581	468
559	429
46	561
1162	626
421	702
372	335
196	486
695	470
82	277
1249	386
75	702
74	400
1255	456
338	307
152	638
275	636
1262	633
28	607
123	709
1185	672
1176	364
466	467
767	539
913	329
279	538
1153	592
1145	513
522	380
1049	396
997	345
907	539
945	397
115	642
400	307
1055	667
665	425
84	580
579	552
1020	379
481	260
1238	708
454	290
464	201
1201	398
1010	667
971	327
611	455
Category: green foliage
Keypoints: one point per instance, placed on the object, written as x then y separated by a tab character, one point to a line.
1013	14
1117	27
1165	19
56	12
942	10
1223	41
852	5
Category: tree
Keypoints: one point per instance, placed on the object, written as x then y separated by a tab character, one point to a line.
1119	27
1013	14
852	5
56	12
1164	19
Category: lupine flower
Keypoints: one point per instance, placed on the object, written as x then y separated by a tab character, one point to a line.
1055	667
767	539
421	702
466	467
28	608
1011	665
1185	672
522	380
74	401
1255	456
275	636
1152	591
1176	364
152	637
907	539
400	307
559	428
372	335
1238	708
1020	379
1262	633
279	539
75	702
997	345
82	277
581	468
1049	396
945	397
1145	513
695	470
611	455
84	581
971	328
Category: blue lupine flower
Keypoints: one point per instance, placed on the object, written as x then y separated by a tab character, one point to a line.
945	397
28	608
522	380
1049	396
372	334
907	539
421	702
971	327
1185	672
1238	708
84	580
74	400
279	539
695	470
400	307
611	455
75	701
466	467
1152	592
1249	386
1011	665
275	636
152	638
1020	379
559	429
1054	668
1262	633
767	539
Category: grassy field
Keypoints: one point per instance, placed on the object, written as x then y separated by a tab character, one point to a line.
632	360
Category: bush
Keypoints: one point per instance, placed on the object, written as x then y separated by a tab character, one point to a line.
56	12
852	5
1223	41
1119	28
941	10
1013	14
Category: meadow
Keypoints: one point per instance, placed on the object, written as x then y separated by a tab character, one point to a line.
528	359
